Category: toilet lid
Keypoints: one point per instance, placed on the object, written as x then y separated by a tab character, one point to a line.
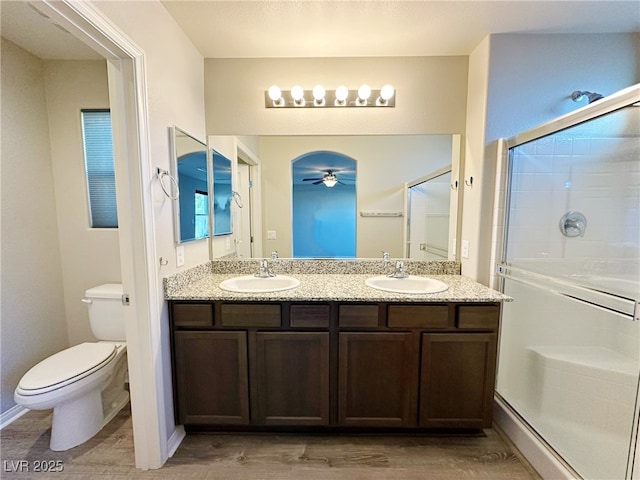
68	366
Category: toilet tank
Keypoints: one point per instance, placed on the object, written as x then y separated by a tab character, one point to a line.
106	312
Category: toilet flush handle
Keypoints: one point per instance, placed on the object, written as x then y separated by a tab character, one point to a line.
87	300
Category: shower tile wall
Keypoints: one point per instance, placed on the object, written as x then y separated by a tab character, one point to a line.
599	177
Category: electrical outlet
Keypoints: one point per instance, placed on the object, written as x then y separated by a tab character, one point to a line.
271	234
180	256
465	249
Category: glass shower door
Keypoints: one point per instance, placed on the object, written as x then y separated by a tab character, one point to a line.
570	341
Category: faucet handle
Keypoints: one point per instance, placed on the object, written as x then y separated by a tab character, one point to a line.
274	255
385	256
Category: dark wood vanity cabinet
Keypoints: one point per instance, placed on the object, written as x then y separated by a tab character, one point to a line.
457	373
211	377
376	379
333	364
290	378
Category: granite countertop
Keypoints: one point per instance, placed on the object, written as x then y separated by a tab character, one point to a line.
334	287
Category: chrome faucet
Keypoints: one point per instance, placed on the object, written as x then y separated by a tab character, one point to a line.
274	255
264	270
399	271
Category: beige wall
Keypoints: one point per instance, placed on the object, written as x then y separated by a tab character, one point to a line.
175	83
384	164
431	95
517	82
32	314
476	216
175	96
89	256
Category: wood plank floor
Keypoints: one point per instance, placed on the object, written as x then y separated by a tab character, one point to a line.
109	455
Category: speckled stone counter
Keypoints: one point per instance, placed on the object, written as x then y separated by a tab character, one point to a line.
343	281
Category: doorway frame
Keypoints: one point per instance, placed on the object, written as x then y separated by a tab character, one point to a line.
126	70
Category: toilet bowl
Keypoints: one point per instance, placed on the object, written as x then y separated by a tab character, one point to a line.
84	384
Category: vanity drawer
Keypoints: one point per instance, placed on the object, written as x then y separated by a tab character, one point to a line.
309	316
478	317
250	315
192	315
418	316
358	316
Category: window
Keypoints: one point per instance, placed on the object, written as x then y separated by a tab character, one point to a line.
201	214
99	170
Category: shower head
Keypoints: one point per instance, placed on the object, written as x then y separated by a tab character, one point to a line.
578	96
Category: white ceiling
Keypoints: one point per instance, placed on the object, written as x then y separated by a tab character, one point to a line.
334	28
330	28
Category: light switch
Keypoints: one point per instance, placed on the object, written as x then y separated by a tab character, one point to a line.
465	249
180	256
271	234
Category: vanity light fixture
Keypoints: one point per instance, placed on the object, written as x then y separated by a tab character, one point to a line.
318	97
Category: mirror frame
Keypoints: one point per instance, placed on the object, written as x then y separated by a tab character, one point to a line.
175	156
216	181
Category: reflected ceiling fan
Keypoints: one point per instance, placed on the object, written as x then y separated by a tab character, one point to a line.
330	179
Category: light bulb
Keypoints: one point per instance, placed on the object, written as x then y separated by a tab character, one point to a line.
364	92
341	95
318	92
275	94
386	92
318	95
297	93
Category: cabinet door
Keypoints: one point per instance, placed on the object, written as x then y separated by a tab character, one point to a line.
377	379
290	378
457	380
211	377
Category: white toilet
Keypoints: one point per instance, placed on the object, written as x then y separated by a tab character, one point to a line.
84	384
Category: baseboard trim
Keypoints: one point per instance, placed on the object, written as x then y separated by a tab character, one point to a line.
175	440
540	456
11	415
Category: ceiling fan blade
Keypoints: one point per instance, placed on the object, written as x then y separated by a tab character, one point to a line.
311	179
318	182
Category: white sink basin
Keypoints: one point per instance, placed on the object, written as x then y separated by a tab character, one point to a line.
253	284
410	284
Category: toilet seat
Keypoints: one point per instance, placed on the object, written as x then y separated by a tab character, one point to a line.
66	367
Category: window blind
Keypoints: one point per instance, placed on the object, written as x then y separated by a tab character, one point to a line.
99	169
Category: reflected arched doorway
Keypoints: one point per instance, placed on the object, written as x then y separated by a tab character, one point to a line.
324	205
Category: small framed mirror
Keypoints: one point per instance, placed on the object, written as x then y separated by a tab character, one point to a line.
190	169
222	194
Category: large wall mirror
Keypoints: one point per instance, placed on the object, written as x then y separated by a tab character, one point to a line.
385	164
190	169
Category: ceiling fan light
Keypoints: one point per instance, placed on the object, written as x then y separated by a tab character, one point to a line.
330	182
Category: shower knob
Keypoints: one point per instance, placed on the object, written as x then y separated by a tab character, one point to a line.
573	224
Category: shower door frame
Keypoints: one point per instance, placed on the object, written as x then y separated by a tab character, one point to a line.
538	452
